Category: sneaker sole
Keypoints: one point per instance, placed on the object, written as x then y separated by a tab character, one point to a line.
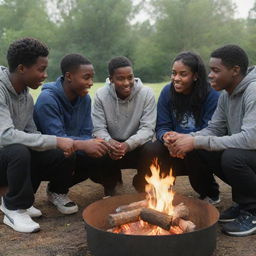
216	202
10	224
226	220
244	233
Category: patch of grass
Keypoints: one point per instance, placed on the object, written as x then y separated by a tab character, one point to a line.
157	87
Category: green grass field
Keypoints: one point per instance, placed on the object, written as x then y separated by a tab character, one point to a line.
157	87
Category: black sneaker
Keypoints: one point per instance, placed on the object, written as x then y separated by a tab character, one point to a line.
230	214
243	225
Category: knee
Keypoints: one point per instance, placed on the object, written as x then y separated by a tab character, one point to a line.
230	158
18	152
153	149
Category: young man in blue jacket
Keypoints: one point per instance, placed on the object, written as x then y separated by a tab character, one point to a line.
64	109
228	145
26	156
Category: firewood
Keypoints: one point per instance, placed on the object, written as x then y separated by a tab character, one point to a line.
180	211
157	218
117	219
185	225
132	206
165	221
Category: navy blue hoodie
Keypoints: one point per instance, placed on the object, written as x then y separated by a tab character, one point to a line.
166	120
54	114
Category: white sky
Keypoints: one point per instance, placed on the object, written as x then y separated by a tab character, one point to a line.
243	7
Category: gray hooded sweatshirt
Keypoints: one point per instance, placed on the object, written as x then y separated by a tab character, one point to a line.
131	120
16	118
233	123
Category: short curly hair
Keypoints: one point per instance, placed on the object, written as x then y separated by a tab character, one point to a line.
118	62
232	55
72	62
25	51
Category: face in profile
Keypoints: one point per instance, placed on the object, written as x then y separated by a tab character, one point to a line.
220	76
34	75
123	79
81	80
182	77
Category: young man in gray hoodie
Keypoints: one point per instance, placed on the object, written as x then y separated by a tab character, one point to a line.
228	145
26	156
124	115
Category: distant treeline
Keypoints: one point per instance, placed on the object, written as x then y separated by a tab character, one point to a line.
101	29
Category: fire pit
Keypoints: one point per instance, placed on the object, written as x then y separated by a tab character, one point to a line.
201	242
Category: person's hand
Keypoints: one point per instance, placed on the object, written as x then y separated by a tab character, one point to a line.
66	145
182	145
93	147
117	149
168	137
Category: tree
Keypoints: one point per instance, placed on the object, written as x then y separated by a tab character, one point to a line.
198	25
27	18
97	29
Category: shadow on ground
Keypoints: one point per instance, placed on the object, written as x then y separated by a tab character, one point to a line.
65	235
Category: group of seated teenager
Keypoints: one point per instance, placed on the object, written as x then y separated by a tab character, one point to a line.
201	126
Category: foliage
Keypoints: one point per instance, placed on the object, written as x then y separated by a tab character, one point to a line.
101	30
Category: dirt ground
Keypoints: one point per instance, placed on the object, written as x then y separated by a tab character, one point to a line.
66	236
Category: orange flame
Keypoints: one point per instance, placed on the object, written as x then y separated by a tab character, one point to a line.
159	189
160	196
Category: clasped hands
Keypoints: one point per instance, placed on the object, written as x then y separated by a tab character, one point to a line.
178	144
93	147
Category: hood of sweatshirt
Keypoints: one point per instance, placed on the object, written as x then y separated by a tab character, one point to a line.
248	79
127	101
5	79
136	88
57	91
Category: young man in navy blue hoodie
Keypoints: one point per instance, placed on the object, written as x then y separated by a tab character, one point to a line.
64	109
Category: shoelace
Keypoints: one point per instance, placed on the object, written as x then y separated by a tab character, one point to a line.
62	198
242	219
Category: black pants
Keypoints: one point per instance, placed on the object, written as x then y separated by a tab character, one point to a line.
22	170
201	180
108	171
237	167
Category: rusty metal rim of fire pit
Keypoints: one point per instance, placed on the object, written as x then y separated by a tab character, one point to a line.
118	234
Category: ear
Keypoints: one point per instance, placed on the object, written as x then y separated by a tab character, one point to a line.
195	77
21	69
111	79
236	70
68	76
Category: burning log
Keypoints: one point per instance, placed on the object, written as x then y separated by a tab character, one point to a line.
117	219
185	225
165	221
132	206
180	211
157	218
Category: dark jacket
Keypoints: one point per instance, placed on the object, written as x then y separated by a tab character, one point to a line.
55	114
166	120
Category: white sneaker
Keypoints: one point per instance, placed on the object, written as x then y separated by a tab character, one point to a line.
63	203
33	212
19	220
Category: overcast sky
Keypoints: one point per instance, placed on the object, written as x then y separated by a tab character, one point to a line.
243	6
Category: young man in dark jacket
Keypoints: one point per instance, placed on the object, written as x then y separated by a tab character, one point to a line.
228	145
64	109
27	156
